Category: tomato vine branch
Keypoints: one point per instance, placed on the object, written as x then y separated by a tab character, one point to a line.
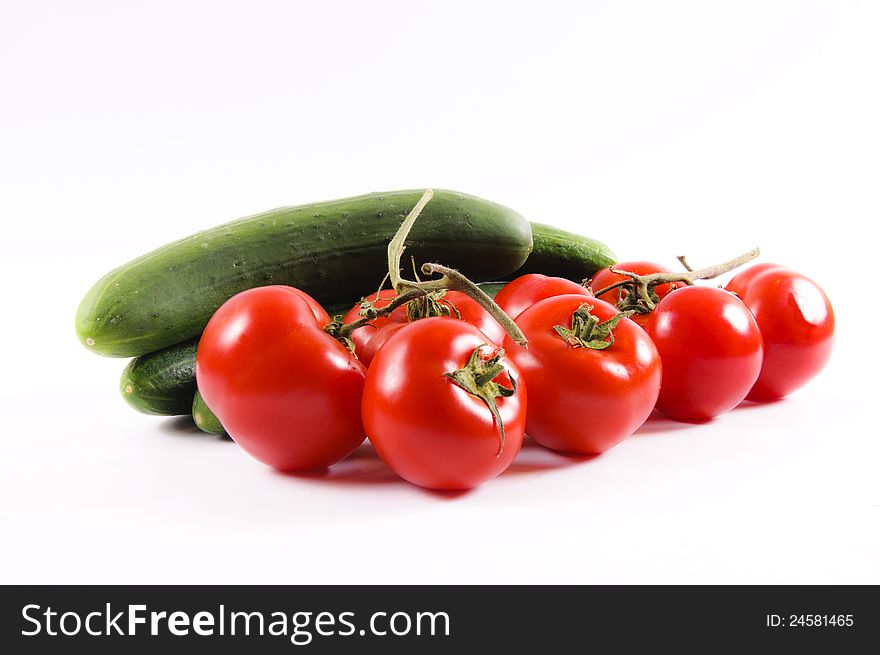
408	290
643	285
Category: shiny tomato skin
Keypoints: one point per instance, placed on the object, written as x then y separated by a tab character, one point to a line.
286	391
797	325
605	278
429	430
389	329
362	335
523	292
584	401
740	282
711	350
472	312
318	311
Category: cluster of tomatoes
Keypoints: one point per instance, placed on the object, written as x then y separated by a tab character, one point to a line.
446	400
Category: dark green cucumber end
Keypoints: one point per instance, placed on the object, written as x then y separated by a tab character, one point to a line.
153	401
162	383
560	253
204	418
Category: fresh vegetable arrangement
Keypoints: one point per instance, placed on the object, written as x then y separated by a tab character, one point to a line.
267	329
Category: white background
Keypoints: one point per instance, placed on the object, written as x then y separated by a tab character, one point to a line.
661	128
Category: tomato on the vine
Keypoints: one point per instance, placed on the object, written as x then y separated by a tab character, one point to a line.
378	339
454	304
523	292
286	391
593	375
710	346
619	297
796	322
444	407
362	336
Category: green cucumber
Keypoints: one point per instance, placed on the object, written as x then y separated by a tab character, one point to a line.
163	382
204	418
564	254
333	250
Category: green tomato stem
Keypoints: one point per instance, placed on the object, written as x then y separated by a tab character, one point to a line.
643	285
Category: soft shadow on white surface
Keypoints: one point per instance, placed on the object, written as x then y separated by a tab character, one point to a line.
183	426
364	467
749	405
534	458
658	423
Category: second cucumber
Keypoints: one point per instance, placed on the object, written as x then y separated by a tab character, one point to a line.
564	254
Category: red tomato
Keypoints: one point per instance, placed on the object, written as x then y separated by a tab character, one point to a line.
471	312
362	336
526	290
742	279
711	350
605	278
368	352
584	400
427	428
285	390
796	322
468	309
320	313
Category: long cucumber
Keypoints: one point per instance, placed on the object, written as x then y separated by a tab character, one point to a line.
333	250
